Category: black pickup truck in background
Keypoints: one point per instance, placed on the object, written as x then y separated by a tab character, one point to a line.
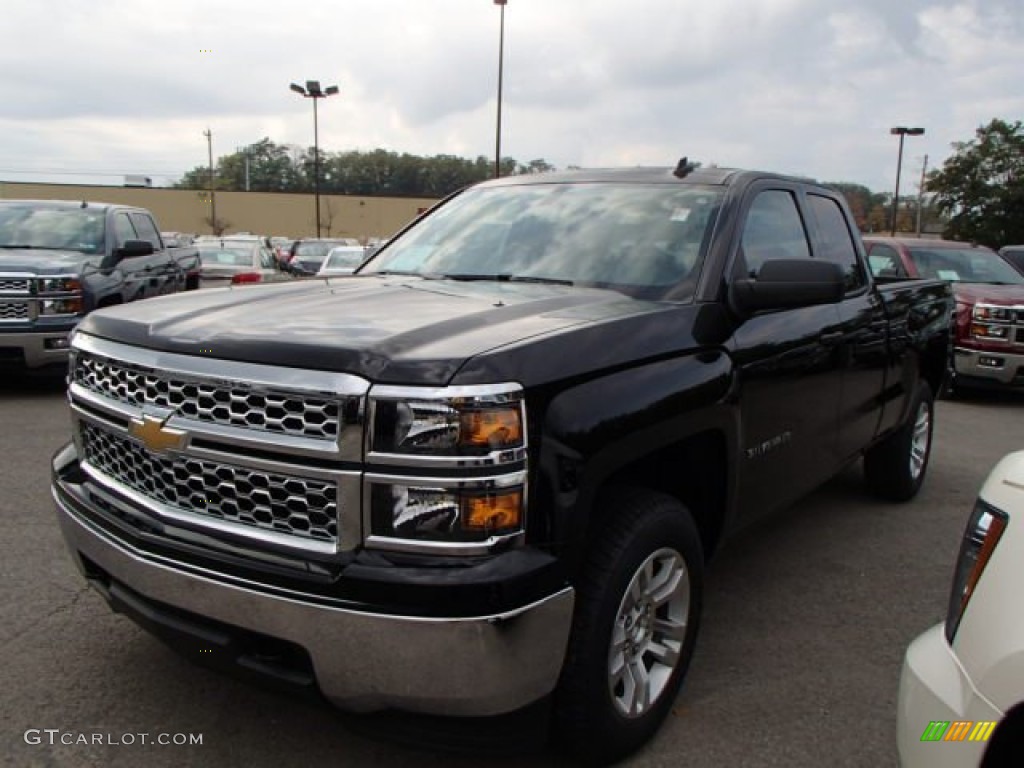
60	260
488	469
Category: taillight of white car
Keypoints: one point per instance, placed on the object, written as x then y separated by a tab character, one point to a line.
984	529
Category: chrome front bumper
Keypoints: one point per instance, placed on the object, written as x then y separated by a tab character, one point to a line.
363	662
34	349
967	362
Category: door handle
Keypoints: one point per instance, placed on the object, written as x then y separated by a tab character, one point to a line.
831	338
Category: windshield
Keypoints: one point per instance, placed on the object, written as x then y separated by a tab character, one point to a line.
966	265
65	229
646	240
314	250
236	257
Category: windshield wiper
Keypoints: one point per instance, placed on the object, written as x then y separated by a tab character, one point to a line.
26	247
505	277
394	272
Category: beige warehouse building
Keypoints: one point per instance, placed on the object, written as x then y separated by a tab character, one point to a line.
264	213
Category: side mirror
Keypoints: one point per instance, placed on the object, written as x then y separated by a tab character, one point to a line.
786	284
133	248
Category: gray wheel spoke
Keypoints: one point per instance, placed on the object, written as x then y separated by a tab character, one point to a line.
669	584
636	590
920	440
665	653
616	669
670	629
641	699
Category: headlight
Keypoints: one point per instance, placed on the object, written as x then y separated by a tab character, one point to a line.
452	467
59	285
59	296
476	511
984	528
72	306
992	313
991	332
469	423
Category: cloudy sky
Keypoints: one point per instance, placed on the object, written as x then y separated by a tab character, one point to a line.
94	89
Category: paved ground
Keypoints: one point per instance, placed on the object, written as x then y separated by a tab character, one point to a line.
806	622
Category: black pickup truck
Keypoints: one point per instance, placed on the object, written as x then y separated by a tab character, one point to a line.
60	260
488	469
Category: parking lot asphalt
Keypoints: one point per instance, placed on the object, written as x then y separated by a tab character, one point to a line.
806	620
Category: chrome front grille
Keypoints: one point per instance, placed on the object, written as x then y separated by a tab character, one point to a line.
297	506
13	310
231	404
14	284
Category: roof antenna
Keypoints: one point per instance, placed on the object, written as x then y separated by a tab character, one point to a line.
683	168
85	204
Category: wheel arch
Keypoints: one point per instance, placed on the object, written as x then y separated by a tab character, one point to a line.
695	466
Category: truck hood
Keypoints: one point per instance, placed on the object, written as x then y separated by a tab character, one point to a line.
972	293
387	329
43	262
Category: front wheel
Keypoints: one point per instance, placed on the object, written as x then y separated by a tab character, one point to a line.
635	627
895	468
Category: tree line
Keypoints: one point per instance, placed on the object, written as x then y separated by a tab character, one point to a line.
270	167
976	196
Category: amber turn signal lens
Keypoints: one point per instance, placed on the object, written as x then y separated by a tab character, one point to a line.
495	513
493	428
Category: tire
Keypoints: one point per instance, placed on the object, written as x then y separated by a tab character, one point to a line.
895	468
631	640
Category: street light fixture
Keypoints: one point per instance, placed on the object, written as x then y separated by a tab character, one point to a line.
213	199
501	60
314	92
900	131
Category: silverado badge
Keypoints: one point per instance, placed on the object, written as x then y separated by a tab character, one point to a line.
155	436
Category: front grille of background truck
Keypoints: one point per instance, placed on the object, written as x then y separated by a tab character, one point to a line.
13	310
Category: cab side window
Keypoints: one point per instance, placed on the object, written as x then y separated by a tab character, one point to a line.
835	242
144	226
773	230
123	229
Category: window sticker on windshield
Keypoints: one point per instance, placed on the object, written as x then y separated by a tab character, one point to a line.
948	274
680	214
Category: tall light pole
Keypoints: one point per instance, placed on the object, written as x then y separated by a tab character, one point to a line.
920	195
245	157
900	131
501	68
213	200
314	92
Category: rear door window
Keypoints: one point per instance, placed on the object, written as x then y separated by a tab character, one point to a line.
123	229
144	226
835	241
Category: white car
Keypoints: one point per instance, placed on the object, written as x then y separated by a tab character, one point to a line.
962	687
342	260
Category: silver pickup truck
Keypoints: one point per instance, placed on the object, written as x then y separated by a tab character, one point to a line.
59	260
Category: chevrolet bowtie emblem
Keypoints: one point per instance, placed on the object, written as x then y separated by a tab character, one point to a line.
155	436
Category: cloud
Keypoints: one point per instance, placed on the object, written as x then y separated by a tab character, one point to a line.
802	86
